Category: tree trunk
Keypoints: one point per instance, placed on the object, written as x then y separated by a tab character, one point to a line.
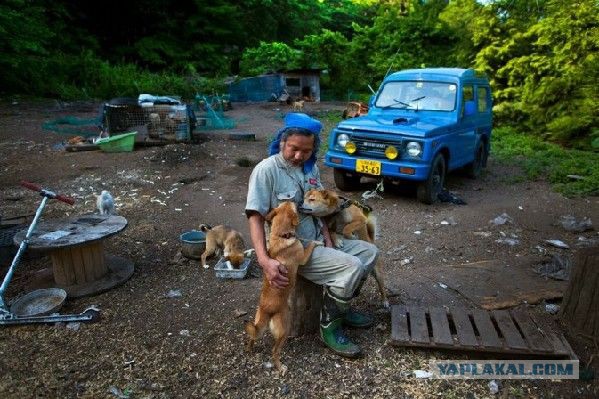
305	303
580	306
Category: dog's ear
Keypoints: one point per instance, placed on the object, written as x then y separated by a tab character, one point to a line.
270	215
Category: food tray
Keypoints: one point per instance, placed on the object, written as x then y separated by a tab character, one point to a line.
223	270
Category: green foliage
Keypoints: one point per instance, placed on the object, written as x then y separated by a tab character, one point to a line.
540	159
545	70
269	57
86	76
397	40
541	56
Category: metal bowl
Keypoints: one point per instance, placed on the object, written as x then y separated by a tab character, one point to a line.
39	302
193	244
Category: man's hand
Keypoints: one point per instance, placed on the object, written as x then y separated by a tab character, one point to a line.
275	272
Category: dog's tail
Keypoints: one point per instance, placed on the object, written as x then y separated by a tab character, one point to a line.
205	227
372	227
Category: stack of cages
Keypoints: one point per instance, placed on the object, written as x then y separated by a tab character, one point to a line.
164	120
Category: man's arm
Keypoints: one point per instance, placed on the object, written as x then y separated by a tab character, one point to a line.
275	272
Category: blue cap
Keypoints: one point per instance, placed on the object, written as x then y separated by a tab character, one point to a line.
299	121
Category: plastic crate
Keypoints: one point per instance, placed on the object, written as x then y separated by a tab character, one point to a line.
118	143
223	270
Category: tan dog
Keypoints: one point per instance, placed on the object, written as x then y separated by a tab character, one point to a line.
345	217
273	309
226	239
298	105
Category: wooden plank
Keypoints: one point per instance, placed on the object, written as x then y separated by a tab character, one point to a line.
88	260
488	335
440	324
63	260
78	265
58	268
535	339
101	268
88	267
399	324
508	329
463	327
418	326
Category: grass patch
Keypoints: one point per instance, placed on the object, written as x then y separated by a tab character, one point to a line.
329	120
542	160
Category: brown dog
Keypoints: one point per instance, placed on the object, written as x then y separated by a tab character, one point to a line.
273	309
226	239
345	217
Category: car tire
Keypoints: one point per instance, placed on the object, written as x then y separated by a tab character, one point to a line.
346	181
428	191
475	168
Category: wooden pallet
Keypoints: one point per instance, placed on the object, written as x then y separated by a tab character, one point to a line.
498	331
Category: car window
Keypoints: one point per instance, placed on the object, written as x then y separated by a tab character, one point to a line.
483	99
421	95
467	95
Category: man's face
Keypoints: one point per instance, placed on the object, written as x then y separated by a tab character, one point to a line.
298	149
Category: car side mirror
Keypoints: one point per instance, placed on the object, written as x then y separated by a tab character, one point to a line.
470	108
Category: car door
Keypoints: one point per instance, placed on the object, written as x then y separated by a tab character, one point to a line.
466	129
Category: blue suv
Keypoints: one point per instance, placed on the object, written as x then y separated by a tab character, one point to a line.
422	123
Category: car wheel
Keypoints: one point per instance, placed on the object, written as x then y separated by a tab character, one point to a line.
475	168
346	181
428	191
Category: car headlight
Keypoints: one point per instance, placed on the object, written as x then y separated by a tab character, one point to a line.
391	152
350	147
342	140
414	149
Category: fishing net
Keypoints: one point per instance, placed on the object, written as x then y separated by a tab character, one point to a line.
210	111
73	126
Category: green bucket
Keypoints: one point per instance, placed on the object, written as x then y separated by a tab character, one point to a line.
119	143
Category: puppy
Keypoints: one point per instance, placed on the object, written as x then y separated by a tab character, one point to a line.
77	140
105	203
226	239
298	105
273	309
343	216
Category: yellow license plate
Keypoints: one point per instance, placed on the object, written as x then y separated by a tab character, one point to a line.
368	166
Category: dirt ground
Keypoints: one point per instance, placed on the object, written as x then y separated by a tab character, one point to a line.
150	345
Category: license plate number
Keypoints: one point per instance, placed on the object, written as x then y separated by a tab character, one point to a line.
368	166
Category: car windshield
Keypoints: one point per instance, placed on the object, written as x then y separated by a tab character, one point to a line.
418	95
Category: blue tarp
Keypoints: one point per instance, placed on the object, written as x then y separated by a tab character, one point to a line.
259	88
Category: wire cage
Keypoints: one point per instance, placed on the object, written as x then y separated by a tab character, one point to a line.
152	121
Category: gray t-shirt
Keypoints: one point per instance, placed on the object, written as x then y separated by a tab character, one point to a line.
273	181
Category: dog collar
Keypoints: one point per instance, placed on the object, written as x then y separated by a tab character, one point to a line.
347	202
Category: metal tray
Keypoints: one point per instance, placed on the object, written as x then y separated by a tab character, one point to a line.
39	302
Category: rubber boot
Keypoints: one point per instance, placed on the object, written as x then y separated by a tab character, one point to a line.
353	318
331	331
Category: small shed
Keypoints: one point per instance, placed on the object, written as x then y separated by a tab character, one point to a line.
298	83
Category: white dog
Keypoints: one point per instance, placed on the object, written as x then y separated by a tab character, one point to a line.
105	203
298	105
